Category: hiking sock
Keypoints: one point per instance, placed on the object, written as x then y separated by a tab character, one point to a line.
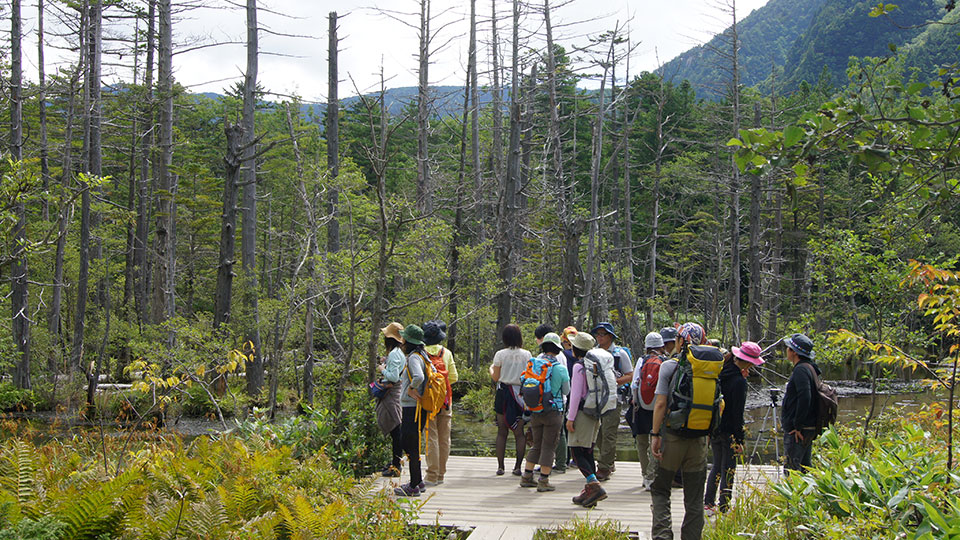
592	478
544	475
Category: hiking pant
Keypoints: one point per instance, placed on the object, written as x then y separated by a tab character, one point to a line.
411	428
584	459
648	463
438	444
607	440
396	444
723	471
689	456
796	455
546	429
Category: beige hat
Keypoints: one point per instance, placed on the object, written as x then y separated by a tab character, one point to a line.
393	330
583	341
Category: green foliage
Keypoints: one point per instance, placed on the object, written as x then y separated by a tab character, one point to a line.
16	399
584	529
479	403
226	488
893	485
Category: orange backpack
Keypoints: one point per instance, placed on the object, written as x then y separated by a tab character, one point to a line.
441	367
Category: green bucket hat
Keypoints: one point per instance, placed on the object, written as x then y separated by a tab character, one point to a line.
413	334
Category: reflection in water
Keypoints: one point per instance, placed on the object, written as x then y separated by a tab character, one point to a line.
473	438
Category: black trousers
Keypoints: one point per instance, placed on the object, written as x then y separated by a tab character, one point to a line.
411	430
584	458
396	443
723	470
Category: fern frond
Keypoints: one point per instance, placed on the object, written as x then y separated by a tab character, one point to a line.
98	508
206	519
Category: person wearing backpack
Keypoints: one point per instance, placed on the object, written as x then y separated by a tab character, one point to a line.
727	442
643	390
438	428
545	382
674	441
413	421
508	365
799	412
592	393
610	422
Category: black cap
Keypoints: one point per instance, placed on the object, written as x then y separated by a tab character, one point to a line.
800	344
668	334
433	333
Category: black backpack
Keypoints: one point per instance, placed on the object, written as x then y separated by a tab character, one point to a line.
827	402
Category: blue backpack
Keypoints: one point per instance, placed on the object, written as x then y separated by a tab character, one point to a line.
535	385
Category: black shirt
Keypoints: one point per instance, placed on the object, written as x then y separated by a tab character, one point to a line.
733	386
799	406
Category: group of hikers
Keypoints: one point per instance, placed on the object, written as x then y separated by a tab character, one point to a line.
684	396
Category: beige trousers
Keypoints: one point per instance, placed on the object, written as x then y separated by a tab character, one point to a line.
438	445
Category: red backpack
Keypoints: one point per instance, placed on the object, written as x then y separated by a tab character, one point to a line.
649	375
441	367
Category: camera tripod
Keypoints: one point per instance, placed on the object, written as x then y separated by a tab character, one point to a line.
771	416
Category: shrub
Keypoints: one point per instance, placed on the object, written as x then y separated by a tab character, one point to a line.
16	399
479	403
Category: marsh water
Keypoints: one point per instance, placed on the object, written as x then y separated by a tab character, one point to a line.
472	437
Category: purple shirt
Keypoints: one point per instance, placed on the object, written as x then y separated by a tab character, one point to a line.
578	390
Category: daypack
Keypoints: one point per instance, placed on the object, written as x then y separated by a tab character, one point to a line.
695	400
441	367
827	402
601	383
434	391
535	385
647	385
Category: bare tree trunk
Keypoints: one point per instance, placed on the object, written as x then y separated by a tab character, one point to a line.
507	238
144	205
496	134
734	290
233	160
129	271
308	325
19	274
379	158
333	161
54	319
42	112
87	29
248	236
754	297
596	155
458	226
424	187
163	287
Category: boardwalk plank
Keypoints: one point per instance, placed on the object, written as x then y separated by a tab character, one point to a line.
473	496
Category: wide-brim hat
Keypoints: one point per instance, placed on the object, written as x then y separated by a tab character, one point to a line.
393	331
748	351
552	337
801	345
413	334
606	327
567	333
433	333
583	341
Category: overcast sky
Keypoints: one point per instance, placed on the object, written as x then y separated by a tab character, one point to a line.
369	39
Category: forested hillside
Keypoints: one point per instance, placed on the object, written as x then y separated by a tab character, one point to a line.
157	236
805	41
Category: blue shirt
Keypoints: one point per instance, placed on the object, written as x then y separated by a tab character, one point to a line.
395	362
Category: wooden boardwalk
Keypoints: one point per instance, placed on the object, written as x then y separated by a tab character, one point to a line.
497	508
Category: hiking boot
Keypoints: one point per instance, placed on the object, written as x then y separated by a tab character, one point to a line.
390	472
579	498
406	490
544	485
595	494
431	483
603	474
559	470
422	486
526	480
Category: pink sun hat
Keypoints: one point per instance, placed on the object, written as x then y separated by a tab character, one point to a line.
748	351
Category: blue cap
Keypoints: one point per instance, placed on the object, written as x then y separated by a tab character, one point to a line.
606	327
